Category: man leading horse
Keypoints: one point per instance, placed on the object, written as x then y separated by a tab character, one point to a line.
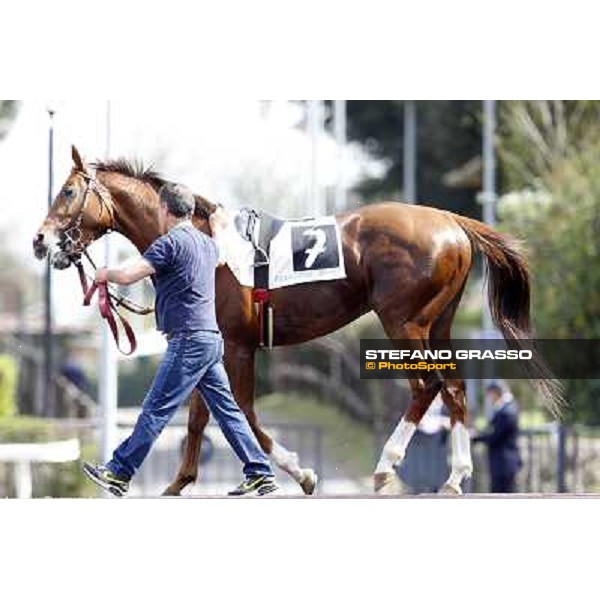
407	263
182	264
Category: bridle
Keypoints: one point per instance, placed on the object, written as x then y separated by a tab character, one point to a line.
71	243
71	238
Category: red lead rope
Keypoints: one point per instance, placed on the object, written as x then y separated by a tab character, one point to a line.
108	312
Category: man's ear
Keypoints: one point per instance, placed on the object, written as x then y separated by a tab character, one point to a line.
79	163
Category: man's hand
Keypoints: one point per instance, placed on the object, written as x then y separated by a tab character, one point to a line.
101	275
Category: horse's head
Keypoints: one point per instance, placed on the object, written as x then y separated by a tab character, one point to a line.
81	213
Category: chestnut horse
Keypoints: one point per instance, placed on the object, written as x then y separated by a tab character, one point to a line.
407	263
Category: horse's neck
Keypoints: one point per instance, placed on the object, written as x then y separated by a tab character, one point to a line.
135	209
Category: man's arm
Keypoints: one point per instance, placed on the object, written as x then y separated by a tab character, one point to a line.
502	426
126	275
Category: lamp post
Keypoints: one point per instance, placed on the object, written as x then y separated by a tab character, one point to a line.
409	154
489	162
488	200
315	124
488	195
339	129
50	404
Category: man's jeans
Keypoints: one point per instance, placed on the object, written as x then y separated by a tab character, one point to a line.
193	359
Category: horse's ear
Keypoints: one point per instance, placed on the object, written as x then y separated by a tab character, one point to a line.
81	166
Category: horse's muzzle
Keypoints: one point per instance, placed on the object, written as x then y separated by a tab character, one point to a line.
59	258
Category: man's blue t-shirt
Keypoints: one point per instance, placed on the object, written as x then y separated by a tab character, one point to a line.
185	260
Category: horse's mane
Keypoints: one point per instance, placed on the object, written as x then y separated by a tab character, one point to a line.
135	169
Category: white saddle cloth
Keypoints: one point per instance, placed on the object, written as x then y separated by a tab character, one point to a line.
302	251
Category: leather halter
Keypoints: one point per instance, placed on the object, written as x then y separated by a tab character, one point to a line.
73	234
74	247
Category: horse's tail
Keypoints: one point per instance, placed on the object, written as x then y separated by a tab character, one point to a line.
509	300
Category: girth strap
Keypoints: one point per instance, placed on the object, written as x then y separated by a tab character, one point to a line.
268	229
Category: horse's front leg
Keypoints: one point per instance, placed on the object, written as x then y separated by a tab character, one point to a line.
188	471
239	363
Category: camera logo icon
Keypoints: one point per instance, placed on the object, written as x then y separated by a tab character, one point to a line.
370	366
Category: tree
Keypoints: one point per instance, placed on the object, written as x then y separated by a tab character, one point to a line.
559	217
448	135
536	136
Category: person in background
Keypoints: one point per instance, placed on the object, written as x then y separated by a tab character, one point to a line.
501	438
72	370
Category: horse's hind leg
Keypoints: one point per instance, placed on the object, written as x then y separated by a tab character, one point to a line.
188	471
424	391
454	397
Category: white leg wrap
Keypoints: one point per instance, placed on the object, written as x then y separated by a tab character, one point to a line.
395	448
462	465
288	461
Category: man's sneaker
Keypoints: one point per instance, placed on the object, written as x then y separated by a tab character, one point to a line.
258	485
106	479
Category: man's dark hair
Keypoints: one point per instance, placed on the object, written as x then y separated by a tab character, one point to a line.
179	200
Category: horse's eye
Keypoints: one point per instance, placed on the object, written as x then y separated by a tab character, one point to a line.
68	193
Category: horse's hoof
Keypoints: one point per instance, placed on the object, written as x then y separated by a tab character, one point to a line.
309	481
180	483
449	489
386	484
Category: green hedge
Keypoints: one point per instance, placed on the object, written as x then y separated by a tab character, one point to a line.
8	385
26	429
